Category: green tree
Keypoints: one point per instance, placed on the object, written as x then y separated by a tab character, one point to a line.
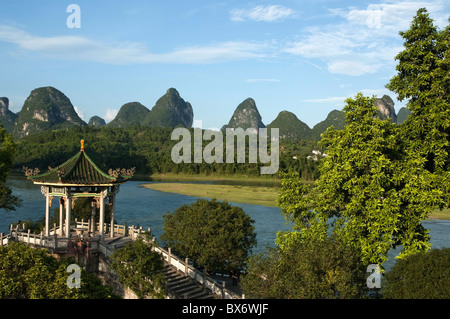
213	234
361	194
140	268
423	79
7	152
425	275
29	273
316	269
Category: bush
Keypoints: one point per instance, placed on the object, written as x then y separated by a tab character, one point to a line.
320	269
213	234
420	276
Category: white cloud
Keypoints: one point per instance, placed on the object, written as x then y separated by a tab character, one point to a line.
110	115
84	49
80	113
351	67
267	13
364	40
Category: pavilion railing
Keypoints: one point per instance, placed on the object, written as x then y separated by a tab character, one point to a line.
119	230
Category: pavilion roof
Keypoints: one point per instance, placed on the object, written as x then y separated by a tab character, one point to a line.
79	170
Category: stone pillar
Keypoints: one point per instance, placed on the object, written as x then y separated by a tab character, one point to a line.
94	210
113	210
102	214
68	211
47	211
61	216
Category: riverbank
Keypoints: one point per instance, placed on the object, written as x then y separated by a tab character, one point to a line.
255	195
268	181
235	190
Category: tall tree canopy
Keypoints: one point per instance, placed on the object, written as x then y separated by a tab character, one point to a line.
213	234
7	151
358	192
423	79
379	180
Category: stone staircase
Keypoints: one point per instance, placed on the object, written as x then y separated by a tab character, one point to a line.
181	286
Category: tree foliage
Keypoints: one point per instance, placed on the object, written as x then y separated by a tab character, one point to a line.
379	181
148	149
358	193
30	273
423	79
316	269
213	234
7	152
425	275
140	268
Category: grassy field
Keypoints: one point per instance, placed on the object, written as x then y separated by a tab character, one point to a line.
257	195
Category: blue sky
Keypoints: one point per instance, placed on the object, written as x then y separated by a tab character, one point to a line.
306	57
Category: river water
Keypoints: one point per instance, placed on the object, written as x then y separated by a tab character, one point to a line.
137	205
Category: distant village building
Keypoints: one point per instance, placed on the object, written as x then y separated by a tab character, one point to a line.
316	155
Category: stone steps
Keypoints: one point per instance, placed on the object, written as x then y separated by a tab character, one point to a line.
181	286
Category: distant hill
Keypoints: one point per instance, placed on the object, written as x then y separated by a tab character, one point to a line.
7	118
46	108
386	108
130	114
335	118
402	115
96	121
170	111
246	116
290	126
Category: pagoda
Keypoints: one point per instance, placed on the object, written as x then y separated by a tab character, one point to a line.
76	178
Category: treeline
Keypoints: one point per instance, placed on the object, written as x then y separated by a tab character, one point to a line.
148	149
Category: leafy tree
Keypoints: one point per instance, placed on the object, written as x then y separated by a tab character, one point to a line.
29	273
213	234
7	151
357	193
140	268
423	79
316	269
362	194
425	275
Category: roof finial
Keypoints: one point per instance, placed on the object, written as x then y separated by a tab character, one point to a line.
82	145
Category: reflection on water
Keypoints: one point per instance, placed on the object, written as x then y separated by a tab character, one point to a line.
137	205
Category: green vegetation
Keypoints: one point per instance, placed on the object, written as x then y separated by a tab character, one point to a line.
246	116
7	152
46	109
380	180
148	149
306	270
170	111
358	188
260	195
290	126
214	235
424	275
130	114
31	273
140	268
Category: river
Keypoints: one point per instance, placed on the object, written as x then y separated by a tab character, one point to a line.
137	205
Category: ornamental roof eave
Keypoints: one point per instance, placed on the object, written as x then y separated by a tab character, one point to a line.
79	170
